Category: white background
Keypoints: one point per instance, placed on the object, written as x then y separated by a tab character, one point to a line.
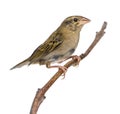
91	88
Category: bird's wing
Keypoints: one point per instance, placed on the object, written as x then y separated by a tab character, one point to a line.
47	47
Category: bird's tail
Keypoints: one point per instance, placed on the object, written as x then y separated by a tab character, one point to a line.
25	62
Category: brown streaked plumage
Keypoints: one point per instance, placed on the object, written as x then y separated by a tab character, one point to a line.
59	46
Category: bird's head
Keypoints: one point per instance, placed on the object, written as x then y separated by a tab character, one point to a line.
75	23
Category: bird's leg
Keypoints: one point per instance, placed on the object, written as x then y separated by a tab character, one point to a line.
74	57
63	68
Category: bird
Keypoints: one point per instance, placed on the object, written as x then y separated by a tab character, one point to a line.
59	46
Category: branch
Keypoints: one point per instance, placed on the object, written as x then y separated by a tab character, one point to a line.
40	95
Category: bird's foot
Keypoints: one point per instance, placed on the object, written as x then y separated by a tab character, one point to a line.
63	68
77	58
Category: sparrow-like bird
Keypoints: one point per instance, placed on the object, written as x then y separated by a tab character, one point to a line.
59	46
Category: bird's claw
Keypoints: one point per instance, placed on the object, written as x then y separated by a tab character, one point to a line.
64	69
77	58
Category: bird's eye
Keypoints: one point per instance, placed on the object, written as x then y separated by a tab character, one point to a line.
75	19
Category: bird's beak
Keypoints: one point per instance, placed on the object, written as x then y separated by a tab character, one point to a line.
84	21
